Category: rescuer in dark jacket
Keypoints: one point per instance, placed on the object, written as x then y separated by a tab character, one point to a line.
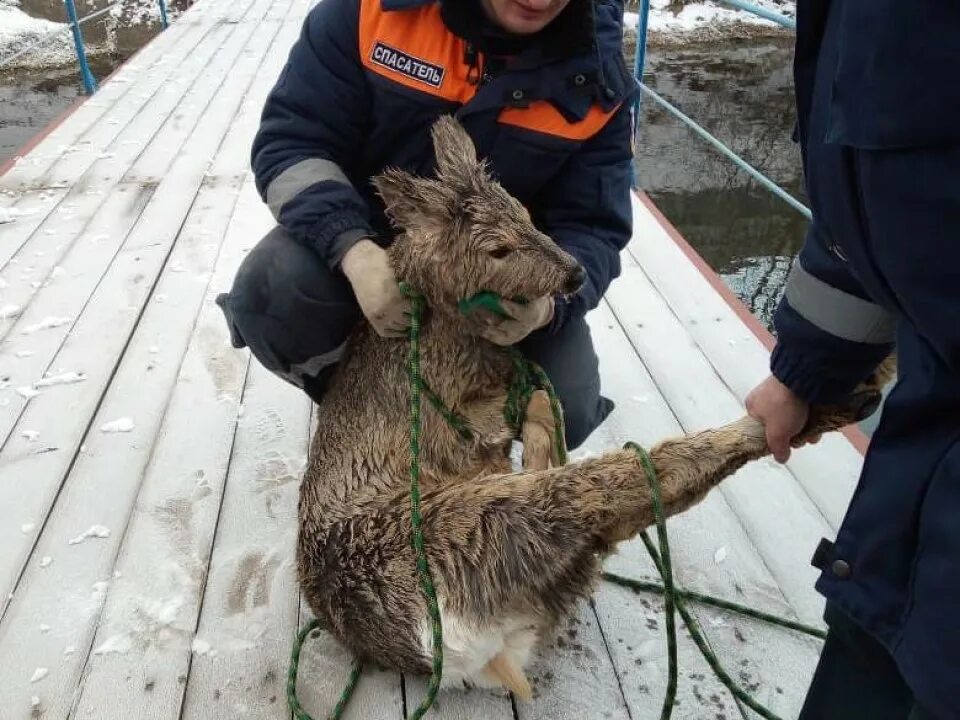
542	88
878	97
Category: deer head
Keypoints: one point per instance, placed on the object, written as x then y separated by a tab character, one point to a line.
462	233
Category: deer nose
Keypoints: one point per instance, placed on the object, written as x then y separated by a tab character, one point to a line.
575	279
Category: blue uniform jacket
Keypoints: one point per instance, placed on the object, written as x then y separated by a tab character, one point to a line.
878	102
367	78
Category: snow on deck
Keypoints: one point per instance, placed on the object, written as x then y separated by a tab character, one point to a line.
148	471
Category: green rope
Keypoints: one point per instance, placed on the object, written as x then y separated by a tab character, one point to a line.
416	519
298	712
527	378
674	602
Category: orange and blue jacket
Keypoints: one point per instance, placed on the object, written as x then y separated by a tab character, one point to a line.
367	78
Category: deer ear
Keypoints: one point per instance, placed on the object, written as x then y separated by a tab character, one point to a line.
456	154
411	201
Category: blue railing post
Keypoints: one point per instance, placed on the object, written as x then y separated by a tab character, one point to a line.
639	62
89	82
640	55
163	14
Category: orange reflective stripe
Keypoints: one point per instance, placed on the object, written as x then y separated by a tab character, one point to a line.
414	48
542	116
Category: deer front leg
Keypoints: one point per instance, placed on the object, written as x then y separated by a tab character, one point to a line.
539	433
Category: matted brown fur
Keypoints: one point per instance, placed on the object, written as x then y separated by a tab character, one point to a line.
511	553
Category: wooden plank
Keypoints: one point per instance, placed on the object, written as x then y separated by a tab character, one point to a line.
67	271
151	611
574	677
100	334
763	658
761	494
75	134
155	61
457	703
102	485
249	611
93	171
34	208
223	69
324	668
104	153
828	471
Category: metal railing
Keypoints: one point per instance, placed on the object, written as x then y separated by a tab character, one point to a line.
640	64
74	27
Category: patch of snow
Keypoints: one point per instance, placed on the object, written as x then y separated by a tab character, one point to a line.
202	647
23	353
39	674
66	378
18	31
9	311
119	644
27	528
720	555
121	425
27	393
7	215
30	435
47	323
45	561
34	701
69	650
44	628
95	531
695	16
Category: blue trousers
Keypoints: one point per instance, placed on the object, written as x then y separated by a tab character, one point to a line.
857	679
296	314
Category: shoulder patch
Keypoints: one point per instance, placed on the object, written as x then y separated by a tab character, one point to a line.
413	48
406	64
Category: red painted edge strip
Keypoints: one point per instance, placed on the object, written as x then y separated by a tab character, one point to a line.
30	144
853	434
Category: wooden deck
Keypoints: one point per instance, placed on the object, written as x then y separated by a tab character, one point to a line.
148	573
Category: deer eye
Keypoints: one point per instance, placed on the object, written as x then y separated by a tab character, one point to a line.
499	253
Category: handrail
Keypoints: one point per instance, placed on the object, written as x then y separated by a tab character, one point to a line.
89	82
640	64
737	160
778	18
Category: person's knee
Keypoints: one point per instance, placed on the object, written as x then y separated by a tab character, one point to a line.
582	415
289	308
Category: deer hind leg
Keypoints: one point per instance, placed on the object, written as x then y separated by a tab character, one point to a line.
539	433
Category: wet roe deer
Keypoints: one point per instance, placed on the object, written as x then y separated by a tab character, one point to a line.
511	553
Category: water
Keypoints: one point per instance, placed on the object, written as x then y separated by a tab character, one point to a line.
31	99
742	92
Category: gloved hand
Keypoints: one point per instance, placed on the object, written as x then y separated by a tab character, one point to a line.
367	267
522	320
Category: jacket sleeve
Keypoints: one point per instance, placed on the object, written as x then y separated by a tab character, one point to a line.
586	210
311	131
830	336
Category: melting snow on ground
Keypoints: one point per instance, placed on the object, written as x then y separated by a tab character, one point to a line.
95	531
19	30
698	15
122	425
65	378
